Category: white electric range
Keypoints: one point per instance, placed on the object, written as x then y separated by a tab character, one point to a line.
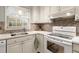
60	40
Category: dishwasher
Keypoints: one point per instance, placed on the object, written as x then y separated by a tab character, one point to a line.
2	46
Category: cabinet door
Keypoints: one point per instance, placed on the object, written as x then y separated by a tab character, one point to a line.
45	44
40	38
28	47
75	47
76	13
41	14
16	17
44	14
28	44
35	14
14	48
54	10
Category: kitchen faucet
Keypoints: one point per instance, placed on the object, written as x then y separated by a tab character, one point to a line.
24	29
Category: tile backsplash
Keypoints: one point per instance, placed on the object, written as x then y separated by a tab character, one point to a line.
41	26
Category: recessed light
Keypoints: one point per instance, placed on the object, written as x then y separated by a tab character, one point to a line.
68	14
20	12
51	17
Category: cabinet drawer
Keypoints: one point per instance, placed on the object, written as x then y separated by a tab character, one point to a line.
20	39
76	47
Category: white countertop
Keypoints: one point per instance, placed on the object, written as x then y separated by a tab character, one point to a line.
7	36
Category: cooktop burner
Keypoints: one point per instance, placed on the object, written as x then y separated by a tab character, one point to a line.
61	35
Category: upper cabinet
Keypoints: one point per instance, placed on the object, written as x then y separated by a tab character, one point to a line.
61	11
40	14
2	13
76	13
16	17
66	8
54	10
44	14
35	14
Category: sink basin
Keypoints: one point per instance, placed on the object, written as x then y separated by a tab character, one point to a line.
14	34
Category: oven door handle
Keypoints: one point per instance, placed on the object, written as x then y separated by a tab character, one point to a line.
67	43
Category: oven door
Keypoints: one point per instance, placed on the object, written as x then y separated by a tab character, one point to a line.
54	46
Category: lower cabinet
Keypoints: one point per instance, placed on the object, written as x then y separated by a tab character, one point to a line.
40	39
75	48
28	46
21	44
14	48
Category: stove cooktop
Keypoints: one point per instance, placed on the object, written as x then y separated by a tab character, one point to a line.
61	35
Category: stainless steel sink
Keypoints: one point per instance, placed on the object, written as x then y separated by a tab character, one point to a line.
14	34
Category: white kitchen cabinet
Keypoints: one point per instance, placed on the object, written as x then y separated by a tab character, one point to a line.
40	38
16	17
2	13
40	14
14	45
14	48
35	14
44	14
54	10
2	46
21	44
66	8
61	11
28	44
76	13
75	48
